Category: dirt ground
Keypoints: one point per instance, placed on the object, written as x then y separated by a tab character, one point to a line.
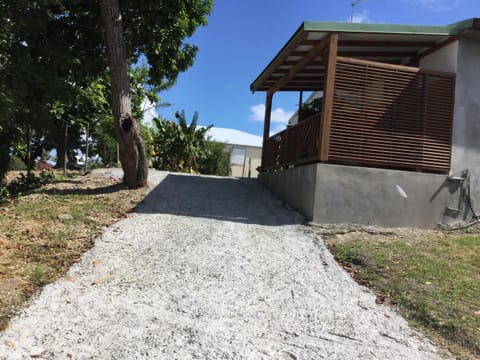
46	230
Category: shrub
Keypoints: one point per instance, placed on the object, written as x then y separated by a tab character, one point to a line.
216	161
16	164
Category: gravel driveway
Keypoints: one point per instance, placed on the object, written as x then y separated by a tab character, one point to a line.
209	268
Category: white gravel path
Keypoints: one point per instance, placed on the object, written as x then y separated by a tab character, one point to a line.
209	268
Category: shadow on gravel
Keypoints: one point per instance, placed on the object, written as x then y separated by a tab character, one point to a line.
109	189
226	199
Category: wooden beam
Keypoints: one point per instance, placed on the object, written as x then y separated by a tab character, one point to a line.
314	51
367	43
280	58
293	63
297	80
328	93
281	72
266	125
366	53
432	49
379	64
391	54
376	43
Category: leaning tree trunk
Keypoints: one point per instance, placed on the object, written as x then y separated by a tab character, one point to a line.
132	147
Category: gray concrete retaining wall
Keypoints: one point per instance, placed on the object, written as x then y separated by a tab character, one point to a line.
466	122
327	193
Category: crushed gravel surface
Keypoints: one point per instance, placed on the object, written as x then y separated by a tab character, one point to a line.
209	268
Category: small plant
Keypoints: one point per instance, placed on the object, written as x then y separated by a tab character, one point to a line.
28	182
4	193
39	275
346	254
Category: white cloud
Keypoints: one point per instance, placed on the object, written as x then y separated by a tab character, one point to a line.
435	5
279	115
362	16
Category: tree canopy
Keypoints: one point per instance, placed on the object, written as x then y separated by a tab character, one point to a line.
52	51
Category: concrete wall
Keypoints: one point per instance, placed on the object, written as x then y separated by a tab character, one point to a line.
466	122
327	193
295	186
445	59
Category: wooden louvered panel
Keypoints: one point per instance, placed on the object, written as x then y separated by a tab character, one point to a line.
389	117
294	145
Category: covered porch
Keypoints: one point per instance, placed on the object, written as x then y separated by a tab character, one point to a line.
380	107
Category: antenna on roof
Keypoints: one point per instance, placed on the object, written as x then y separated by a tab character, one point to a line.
353	7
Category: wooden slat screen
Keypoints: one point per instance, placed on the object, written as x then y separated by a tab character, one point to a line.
295	145
391	117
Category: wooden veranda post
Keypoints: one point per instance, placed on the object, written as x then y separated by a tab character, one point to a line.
328	97
266	125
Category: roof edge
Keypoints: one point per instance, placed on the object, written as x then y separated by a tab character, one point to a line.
459	27
300	30
377	28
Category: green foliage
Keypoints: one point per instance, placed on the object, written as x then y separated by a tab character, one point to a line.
39	274
16	164
4	192
346	254
27	182
157	31
53	68
178	146
314	105
165	145
217	161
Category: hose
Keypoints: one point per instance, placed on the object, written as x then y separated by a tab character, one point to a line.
469	199
461	227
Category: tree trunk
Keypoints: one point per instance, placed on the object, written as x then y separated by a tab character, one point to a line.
28	139
132	148
87	136
65	149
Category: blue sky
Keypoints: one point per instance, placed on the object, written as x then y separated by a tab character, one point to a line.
243	36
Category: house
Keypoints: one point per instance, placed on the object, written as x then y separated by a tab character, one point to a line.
396	142
245	150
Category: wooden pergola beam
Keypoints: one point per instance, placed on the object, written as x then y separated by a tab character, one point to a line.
325	126
415	60
367	53
282	72
377	43
266	124
309	56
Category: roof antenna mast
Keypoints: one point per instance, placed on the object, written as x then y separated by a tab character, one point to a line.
353	7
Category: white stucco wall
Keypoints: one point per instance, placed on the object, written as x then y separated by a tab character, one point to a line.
444	59
247	161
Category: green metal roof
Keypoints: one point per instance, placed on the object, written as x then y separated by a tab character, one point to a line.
375	28
457	28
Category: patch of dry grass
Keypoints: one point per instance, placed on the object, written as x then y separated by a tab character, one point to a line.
44	232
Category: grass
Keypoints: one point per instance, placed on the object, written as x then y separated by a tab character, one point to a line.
433	278
43	232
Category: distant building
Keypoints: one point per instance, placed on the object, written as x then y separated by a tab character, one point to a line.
245	150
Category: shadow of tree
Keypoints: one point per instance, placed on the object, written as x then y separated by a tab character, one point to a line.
227	199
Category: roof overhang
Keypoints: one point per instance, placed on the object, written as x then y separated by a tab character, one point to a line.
300	64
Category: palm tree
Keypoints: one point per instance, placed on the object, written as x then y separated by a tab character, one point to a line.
192	141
